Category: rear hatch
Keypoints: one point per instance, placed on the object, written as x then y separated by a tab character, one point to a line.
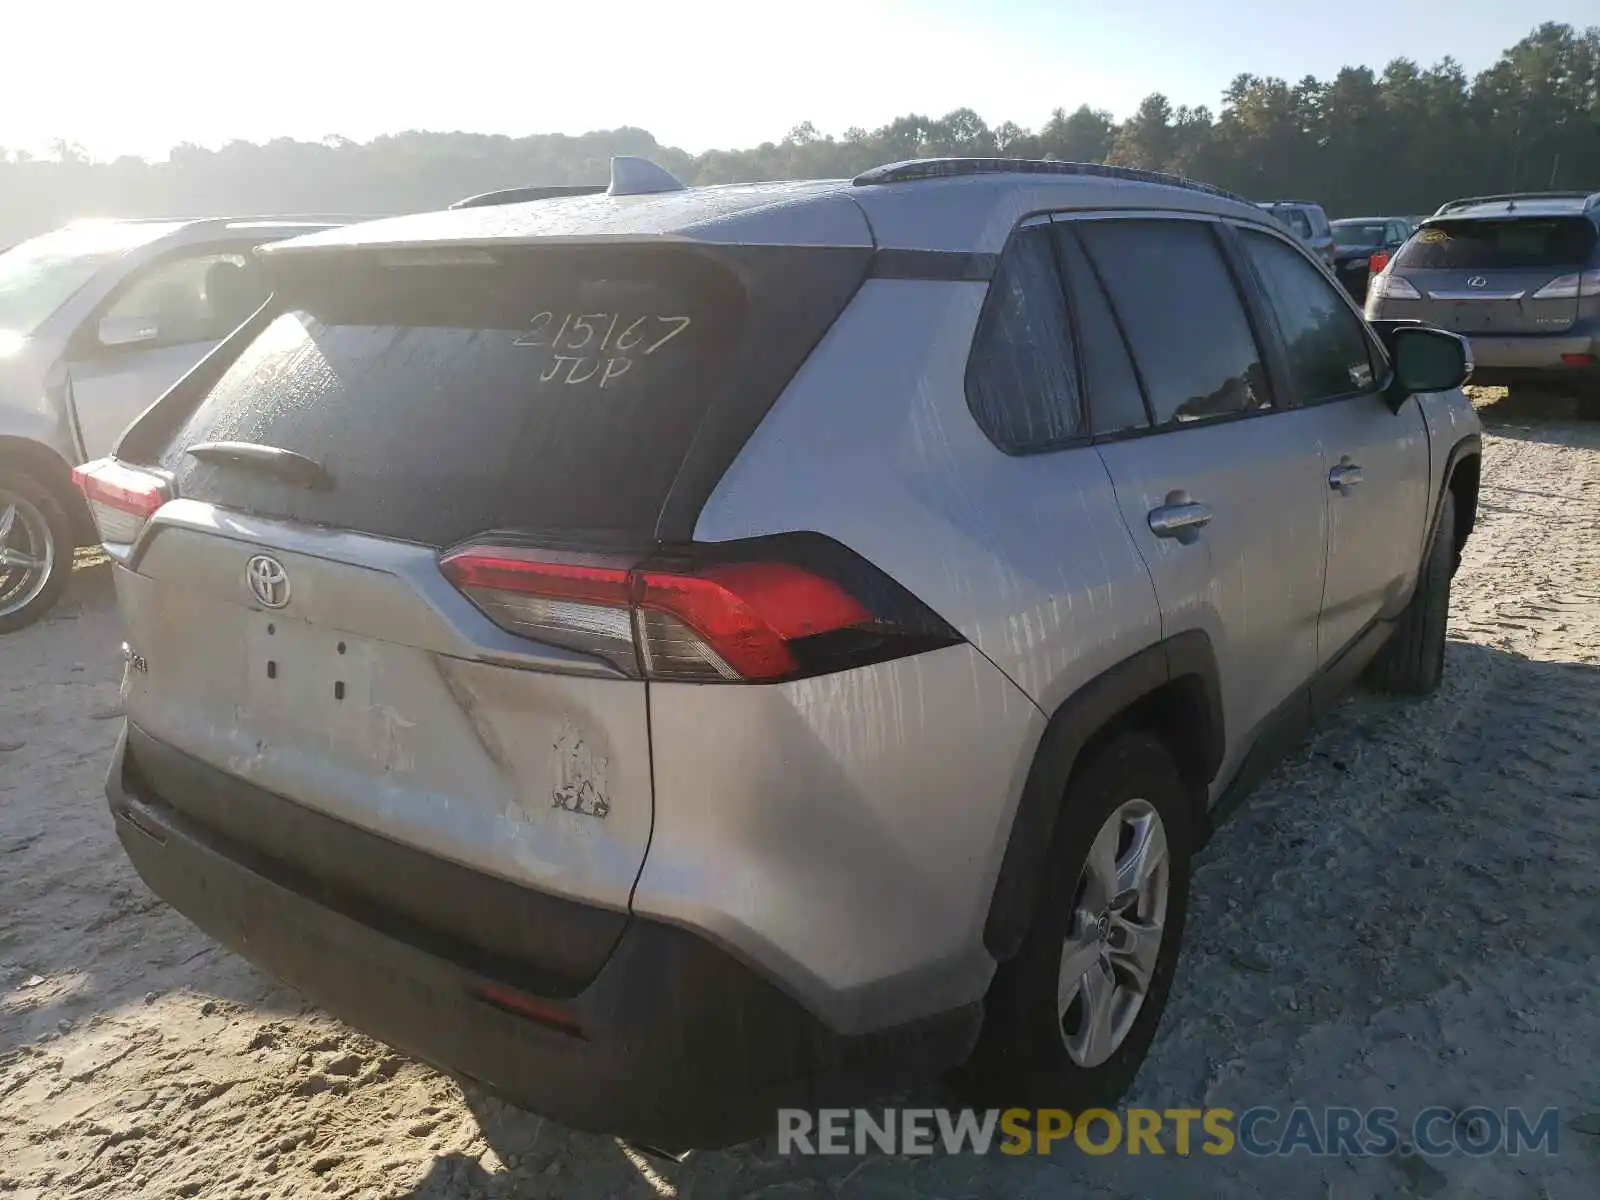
312	607
1493	275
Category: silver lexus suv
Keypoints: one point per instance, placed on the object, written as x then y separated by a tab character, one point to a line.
1518	275
668	653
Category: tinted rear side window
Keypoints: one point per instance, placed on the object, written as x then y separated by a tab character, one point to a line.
1181	311
546	389
1022	383
1486	244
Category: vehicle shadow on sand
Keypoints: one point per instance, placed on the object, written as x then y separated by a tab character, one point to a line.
1539	413
81	938
1361	897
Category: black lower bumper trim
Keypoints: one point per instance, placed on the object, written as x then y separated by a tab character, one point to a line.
680	1044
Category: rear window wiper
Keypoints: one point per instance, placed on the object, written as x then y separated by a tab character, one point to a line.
274	460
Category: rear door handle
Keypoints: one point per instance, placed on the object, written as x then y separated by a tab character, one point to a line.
1180	517
1345	476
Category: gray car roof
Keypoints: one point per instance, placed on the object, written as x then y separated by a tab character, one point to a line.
970	214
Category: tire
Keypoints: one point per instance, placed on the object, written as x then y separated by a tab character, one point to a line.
1411	662
39	528
1022	1057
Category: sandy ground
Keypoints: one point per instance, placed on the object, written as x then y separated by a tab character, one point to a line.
1404	915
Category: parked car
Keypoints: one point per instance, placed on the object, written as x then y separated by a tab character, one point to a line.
1519	275
1308	222
1362	247
667	655
96	320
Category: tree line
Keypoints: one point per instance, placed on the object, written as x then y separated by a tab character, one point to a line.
1401	141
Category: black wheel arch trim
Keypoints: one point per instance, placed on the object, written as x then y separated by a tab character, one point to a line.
1470	446
1184	658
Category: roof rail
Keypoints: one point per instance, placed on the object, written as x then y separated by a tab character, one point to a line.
1590	200
941	168
1306	203
246	221
521	195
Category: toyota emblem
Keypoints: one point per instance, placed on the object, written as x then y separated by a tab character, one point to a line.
267	580
1477	281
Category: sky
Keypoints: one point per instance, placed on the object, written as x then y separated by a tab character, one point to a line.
138	78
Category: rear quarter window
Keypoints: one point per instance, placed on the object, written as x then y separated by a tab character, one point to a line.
1022	382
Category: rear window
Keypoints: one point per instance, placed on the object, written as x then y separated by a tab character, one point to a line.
1295	220
1366	233
546	389
1484	244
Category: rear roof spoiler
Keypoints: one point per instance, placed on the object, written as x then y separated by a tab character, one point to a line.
1590	200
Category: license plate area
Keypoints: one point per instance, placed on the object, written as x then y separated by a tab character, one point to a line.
1476	316
308	679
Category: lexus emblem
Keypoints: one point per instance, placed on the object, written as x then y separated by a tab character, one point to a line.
1477	281
267	580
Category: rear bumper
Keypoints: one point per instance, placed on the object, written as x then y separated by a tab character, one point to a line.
673	1042
1533	353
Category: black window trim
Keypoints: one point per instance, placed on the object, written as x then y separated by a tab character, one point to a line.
1267	322
1264	347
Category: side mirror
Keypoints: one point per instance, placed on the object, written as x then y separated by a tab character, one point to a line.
127	331
1427	360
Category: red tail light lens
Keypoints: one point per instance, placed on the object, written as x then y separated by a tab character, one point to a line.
1378	261
746	614
757	619
122	499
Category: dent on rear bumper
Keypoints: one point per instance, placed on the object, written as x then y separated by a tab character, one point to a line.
842	833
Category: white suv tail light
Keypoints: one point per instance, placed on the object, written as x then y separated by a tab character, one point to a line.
1388	285
1570	287
122	499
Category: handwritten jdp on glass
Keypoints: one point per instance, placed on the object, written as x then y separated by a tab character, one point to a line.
576	357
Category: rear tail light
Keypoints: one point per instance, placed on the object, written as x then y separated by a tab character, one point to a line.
1570	287
1378	261
1388	285
760	612
122	499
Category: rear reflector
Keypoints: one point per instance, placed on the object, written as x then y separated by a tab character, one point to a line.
521	1004
1579	360
121	498
759	617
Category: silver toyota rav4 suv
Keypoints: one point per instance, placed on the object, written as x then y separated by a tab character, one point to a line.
668	653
